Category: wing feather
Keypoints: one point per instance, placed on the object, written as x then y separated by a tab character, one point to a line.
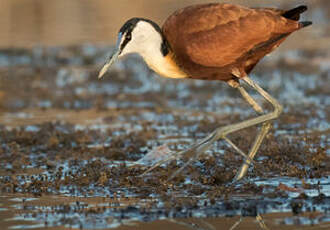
216	35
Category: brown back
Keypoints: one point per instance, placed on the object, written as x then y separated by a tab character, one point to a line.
218	35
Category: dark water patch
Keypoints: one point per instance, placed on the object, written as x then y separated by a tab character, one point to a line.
67	135
115	212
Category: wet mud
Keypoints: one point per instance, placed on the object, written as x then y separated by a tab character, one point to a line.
69	137
68	143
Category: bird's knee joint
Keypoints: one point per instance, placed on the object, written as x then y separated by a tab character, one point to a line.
278	110
267	125
221	133
234	83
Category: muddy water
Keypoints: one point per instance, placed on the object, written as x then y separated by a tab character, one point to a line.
69	141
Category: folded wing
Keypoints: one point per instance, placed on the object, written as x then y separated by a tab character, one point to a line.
216	35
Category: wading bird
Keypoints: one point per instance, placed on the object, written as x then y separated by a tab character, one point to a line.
213	42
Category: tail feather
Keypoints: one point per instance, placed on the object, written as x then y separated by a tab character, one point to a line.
305	24
294	14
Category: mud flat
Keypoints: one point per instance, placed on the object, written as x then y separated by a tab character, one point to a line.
68	143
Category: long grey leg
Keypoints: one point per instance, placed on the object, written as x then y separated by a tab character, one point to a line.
253	151
250	100
222	132
263	132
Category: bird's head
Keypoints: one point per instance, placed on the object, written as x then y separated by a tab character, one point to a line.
137	35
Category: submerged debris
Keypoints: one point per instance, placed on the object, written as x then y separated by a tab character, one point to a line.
68	135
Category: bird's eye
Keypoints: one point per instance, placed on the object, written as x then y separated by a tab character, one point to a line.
128	36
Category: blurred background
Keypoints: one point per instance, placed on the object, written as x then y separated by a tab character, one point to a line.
57	23
51	51
64	43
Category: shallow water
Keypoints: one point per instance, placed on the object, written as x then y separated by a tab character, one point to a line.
69	142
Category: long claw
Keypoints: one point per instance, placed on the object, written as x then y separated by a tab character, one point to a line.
184	166
197	150
246	157
172	157
192	150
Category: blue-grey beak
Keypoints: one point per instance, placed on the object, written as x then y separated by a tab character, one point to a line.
112	58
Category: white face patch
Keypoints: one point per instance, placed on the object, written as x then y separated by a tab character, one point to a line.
147	41
144	38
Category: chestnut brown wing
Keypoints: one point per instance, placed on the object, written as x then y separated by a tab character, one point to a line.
216	35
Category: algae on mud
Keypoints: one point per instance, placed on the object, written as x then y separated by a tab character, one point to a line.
68	142
68	136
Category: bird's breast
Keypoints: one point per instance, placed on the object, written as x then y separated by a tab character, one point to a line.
166	66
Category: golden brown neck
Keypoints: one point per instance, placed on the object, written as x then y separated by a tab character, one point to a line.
165	66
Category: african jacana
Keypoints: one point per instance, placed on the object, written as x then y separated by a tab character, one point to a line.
213	42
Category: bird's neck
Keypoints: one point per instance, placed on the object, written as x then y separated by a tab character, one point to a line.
162	60
150	42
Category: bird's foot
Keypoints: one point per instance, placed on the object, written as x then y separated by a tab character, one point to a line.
194	151
191	153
